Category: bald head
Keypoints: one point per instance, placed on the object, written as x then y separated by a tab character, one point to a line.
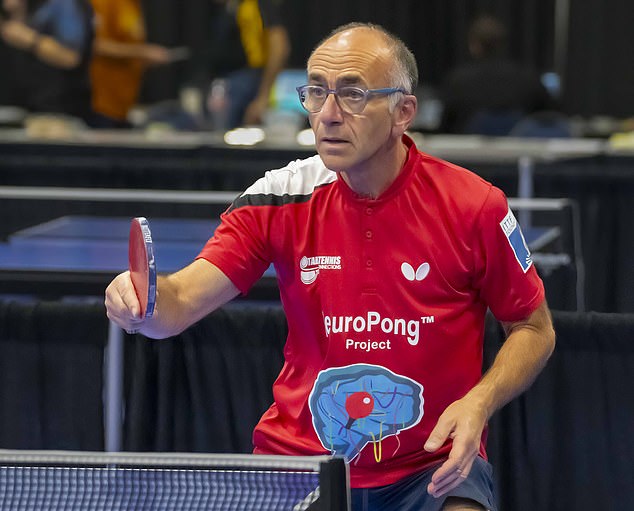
403	71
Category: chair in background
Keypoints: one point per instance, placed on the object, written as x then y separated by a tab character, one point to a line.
545	124
492	122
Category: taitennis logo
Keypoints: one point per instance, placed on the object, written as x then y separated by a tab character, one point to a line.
309	267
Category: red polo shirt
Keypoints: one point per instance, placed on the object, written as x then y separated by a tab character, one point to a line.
385	301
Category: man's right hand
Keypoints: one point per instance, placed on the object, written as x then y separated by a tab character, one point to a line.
182	298
122	304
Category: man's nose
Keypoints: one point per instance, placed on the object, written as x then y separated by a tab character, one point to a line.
331	111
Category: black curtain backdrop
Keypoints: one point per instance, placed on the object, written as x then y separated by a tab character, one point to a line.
598	72
205	389
51	375
566	443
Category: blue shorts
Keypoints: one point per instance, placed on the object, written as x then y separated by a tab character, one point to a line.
410	494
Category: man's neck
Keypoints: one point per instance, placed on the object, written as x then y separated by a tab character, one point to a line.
371	181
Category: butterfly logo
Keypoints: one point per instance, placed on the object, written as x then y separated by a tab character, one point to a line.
411	275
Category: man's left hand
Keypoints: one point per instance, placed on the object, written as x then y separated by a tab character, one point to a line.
463	422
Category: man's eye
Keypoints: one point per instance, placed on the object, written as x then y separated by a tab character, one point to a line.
317	92
352	93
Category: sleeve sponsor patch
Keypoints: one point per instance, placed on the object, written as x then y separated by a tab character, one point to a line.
514	235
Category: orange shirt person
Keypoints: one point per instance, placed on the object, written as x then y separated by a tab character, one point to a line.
121	54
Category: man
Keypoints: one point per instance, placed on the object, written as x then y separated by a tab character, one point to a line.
387	259
121	55
491	93
247	47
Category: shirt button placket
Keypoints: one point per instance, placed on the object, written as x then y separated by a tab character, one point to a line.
369	246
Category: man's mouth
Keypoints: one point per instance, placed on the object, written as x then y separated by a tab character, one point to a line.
332	140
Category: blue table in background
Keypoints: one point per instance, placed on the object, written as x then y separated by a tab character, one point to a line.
79	255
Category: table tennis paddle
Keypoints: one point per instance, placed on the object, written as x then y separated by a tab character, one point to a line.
142	265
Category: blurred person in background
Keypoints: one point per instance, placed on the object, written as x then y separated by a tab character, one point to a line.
247	46
48	44
121	55
491	93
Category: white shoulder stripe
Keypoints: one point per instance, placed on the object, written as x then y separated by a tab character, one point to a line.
299	177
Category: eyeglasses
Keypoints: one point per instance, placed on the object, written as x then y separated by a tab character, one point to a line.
350	99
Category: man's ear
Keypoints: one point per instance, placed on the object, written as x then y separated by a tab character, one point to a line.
404	113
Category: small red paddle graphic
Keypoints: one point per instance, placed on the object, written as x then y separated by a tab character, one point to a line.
358	405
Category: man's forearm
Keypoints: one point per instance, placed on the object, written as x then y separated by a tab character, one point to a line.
279	50
44	47
116	49
56	54
185	297
521	358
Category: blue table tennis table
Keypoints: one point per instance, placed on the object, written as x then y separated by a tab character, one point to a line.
78	244
79	255
70	228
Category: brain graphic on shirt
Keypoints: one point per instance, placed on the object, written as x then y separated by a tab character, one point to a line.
362	403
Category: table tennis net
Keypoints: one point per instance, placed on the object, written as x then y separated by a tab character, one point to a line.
48	480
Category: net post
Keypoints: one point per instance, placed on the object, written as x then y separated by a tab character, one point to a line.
334	488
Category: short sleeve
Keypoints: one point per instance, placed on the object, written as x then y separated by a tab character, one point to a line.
505	274
238	247
65	21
